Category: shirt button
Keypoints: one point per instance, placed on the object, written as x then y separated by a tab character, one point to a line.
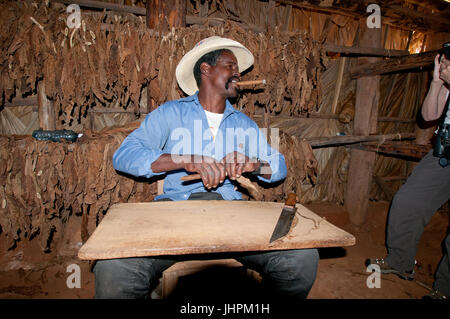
185	195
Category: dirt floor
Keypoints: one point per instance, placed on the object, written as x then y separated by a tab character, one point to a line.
26	272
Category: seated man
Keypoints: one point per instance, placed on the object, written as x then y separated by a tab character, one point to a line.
204	134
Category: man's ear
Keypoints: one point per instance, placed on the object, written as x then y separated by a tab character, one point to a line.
205	68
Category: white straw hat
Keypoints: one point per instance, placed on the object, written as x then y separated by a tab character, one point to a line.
185	68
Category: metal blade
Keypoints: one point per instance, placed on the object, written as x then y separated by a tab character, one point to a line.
284	223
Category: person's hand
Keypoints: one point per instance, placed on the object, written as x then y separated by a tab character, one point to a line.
436	70
444	70
237	163
211	171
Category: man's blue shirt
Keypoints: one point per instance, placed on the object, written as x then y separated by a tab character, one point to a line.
180	127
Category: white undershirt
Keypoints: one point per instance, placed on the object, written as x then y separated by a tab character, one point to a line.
214	120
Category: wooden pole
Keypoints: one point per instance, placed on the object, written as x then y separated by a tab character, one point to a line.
271	14
351	139
327	116
361	164
394	64
364	50
337	89
424	131
47	118
169	13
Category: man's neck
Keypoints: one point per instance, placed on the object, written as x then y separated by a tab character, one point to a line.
211	103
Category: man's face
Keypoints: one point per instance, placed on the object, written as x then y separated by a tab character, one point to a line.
224	75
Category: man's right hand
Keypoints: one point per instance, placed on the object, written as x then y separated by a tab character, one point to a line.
211	171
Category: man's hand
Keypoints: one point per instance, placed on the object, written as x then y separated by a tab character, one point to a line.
211	171
237	163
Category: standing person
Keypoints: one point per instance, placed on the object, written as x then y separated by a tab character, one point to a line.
204	134
426	189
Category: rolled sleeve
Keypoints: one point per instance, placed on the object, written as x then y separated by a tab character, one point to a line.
278	166
276	160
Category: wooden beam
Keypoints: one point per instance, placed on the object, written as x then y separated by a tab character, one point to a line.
270	15
330	116
394	64
404	149
364	50
189	19
393	15
169	13
47	117
166	12
28	101
219	21
438	22
110	110
287	18
352	139
105	5
395	119
361	164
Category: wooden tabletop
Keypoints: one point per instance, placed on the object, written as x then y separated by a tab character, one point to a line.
196	227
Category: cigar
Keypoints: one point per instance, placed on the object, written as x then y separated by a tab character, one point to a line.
254	82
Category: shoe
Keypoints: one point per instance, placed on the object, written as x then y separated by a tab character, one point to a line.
435	294
385	268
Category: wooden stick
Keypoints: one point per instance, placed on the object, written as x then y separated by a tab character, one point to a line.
47	117
254	82
191	177
337	89
350	139
243	181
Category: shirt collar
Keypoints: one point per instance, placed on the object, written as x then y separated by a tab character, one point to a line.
229	109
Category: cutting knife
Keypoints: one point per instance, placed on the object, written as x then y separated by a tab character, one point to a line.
286	217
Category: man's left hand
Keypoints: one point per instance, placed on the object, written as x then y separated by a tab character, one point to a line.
237	163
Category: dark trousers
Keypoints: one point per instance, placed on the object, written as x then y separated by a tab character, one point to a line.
427	189
286	273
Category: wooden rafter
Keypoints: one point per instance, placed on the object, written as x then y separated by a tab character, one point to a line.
394	64
392	13
395	148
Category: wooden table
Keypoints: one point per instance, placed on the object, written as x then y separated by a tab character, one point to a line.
197	227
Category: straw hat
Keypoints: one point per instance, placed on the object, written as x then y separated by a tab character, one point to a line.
185	68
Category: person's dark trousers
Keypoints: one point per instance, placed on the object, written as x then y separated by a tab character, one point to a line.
286	273
442	278
425	191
